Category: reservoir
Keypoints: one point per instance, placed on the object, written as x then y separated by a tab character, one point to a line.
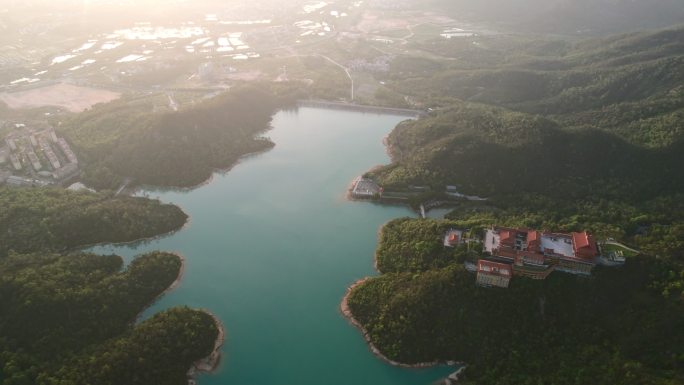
272	246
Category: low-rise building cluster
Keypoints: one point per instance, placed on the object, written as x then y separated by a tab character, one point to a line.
510	252
31	158
535	254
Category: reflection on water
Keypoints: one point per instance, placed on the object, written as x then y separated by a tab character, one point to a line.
272	245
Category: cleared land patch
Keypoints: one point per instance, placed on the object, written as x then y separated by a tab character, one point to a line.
70	97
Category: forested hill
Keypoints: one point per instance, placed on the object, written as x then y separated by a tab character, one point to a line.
620	326
490	151
67	320
51	219
559	136
631	85
126	138
606	112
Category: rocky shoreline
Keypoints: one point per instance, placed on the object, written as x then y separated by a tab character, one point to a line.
211	362
173	285
179	278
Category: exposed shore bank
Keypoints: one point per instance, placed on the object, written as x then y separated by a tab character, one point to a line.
174	285
346	312
210	363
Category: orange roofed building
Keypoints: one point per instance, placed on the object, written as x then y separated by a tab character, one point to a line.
453	238
535	254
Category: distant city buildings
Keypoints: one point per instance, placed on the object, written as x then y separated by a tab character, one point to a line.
33	158
50	154
379	64
36	158
71	157
17	181
12	144
15	162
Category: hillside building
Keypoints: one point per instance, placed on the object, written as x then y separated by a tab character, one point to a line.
535	254
491	273
17	181
49	153
71	157
453	238
65	172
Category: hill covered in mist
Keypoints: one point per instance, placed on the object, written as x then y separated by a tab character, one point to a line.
569	16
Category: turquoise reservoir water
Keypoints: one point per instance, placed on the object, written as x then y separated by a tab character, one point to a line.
272	246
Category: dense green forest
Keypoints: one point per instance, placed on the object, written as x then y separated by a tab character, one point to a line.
606	111
409	245
52	219
67	319
612	328
564	136
127	139
491	151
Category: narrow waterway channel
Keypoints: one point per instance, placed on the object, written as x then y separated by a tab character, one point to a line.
272	246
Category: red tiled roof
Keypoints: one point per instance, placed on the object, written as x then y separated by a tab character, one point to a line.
494	268
580	240
584	245
532	235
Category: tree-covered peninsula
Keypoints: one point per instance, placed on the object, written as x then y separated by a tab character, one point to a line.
621	325
69	317
53	219
128	138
